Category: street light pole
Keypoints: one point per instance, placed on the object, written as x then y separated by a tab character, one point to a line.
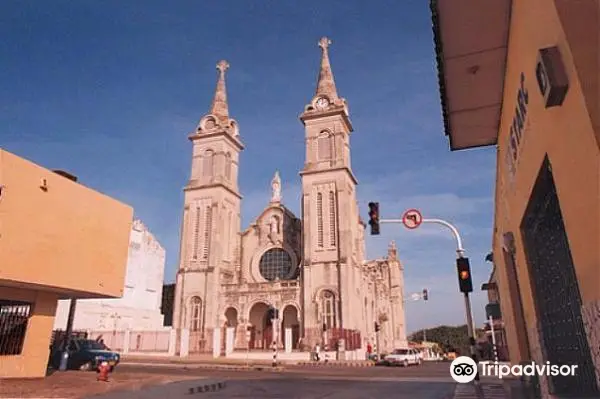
460	253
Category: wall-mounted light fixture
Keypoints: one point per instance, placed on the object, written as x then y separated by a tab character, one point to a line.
43	184
551	76
65	174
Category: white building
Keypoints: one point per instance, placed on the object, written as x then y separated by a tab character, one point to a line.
139	308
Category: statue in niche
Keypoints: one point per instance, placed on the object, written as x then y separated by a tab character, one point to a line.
276	188
274	225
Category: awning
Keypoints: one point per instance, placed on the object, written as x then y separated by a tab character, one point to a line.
471	41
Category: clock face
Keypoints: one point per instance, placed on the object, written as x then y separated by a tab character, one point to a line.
322	103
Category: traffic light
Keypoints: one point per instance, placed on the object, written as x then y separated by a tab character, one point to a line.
374	218
464	275
324	327
425	295
377	328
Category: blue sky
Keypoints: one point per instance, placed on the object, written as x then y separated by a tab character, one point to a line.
110	90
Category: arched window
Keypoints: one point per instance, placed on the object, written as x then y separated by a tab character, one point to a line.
207	231
320	220
328	309
228	166
207	163
332	221
325	145
196	314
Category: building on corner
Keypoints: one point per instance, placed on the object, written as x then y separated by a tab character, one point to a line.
524	76
58	239
139	309
296	280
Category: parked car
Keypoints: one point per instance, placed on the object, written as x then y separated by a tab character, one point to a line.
85	354
403	357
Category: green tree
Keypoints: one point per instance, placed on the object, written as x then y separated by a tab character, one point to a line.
448	338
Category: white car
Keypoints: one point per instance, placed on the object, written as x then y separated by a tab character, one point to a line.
403	357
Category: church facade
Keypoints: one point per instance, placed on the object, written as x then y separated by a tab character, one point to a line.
296	280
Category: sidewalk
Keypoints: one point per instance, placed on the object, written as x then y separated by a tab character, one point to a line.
207	361
81	384
485	390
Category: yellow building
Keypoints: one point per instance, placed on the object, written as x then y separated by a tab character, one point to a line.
524	76
58	239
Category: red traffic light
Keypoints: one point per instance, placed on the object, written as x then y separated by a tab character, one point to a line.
374	217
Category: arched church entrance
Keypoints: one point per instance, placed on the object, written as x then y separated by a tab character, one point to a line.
290	321
261	326
231	321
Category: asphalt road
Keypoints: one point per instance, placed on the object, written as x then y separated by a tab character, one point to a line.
428	381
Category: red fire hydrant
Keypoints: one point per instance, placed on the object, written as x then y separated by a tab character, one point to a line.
103	370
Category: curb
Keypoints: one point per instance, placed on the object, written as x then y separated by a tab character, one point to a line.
337	364
236	368
209	366
213	387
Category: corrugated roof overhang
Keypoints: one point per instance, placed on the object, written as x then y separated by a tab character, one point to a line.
471	43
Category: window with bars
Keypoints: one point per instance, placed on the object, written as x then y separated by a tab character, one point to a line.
324	146
207	231
14	317
332	221
207	163
328	309
320	219
196	314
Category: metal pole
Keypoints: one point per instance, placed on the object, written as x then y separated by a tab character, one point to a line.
494	347
460	252
377	344
64	360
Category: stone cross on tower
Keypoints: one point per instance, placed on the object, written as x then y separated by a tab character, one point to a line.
276	187
219	106
324	43
325	82
222	66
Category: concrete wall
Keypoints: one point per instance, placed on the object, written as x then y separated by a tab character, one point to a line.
65	236
34	357
58	239
567	136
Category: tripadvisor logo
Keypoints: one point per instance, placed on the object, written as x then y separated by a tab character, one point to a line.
463	369
504	370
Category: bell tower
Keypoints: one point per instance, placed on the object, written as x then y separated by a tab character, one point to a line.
329	209
211	217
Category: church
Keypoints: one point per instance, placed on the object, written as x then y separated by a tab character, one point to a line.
293	280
